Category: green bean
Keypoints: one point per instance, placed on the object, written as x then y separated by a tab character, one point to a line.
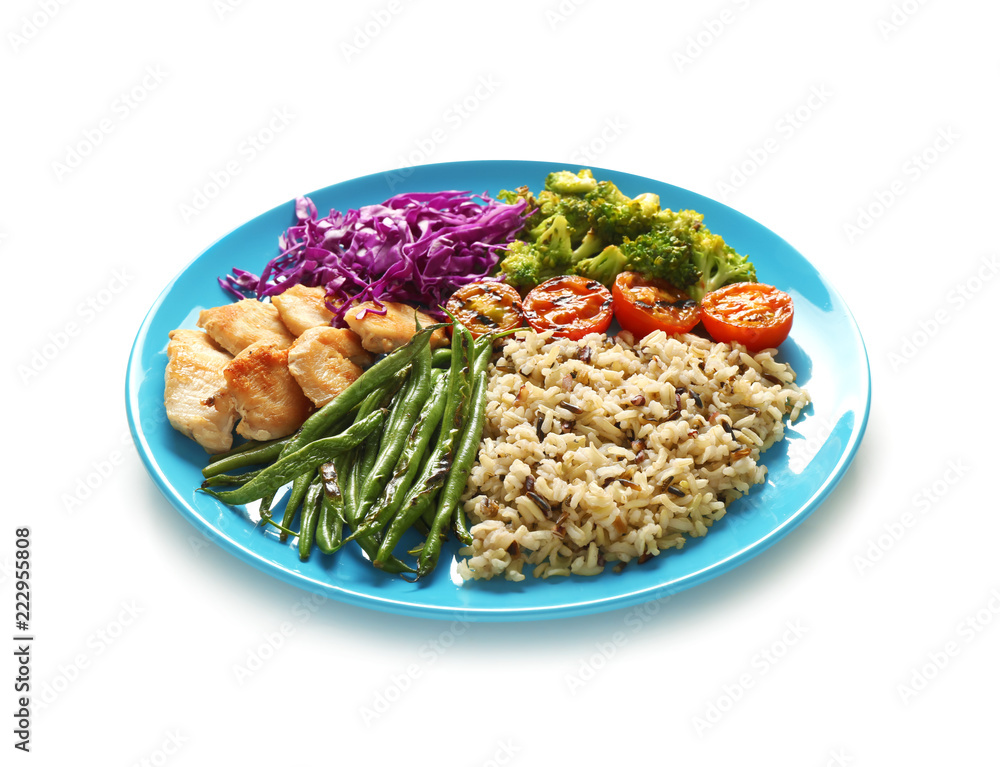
384	397
250	444
362	468
438	463
355	468
265	507
409	462
468	447
410	512
397	408
370	447
365	455
368	405
405	412
370	546
310	516
449	444
376	377
424	530
264	453
369	454
427	518
346	463
404	394
299	487
230	479
290	466
390	565
331	516
330	528
441	358
461	526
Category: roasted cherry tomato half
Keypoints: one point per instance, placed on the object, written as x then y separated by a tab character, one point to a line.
571	305
486	307
645	304
755	315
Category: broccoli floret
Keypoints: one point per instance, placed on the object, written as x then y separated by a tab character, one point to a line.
578	215
603	267
511	197
649	205
528	263
575	210
567	182
681	250
718	264
555	242
615	216
521	264
589	246
662	252
533	212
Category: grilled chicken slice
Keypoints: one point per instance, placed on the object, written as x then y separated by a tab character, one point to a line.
235	326
348	343
197	401
267	399
383	333
324	362
301	308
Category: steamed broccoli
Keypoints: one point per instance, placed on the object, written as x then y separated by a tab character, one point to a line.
541	211
589	246
578	225
512	197
719	264
566	182
681	250
528	263
575	210
533	212
521	264
603	267
664	253
577	222
615	216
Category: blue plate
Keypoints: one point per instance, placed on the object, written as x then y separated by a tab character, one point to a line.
825	349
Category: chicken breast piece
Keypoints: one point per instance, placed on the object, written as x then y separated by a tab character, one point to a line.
342	340
383	333
267	398
196	397
323	361
301	308
235	326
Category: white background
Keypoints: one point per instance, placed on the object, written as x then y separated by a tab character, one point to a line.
141	629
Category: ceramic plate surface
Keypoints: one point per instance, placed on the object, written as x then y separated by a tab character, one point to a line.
825	349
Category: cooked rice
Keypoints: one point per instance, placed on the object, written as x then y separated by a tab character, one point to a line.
619	457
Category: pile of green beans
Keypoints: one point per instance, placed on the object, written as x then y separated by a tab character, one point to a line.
389	454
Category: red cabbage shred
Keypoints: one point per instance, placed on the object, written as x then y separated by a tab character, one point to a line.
414	248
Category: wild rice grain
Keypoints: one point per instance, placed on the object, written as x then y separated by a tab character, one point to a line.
688	471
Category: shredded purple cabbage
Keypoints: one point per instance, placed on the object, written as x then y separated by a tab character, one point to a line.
413	248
